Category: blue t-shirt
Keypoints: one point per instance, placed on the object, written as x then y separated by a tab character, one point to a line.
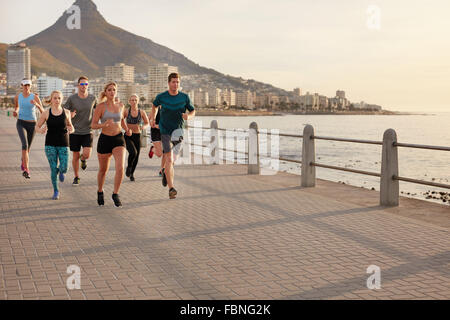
172	109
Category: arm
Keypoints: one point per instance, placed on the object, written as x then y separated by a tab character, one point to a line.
69	121
124	123
42	119
38	103
16	106
153	115
69	107
188	116
191	114
96	117
145	118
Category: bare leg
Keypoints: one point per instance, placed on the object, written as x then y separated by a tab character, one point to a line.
103	162
86	153
168	169
119	158
25	158
158	148
76	163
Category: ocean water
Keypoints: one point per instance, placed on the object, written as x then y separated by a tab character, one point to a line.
428	165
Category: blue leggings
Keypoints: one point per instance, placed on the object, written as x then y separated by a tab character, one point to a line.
53	154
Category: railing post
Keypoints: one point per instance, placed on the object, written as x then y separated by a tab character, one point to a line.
214	143
389	187
308	177
253	149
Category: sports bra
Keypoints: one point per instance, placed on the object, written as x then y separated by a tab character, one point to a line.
134	120
115	116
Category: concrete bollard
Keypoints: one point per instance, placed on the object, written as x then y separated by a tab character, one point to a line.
308	177
389	187
253	149
214	143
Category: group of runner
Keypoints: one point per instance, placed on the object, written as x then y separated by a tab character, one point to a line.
72	127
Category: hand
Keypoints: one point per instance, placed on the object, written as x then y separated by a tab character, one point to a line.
152	123
73	113
185	116
129	132
70	129
15	114
42	130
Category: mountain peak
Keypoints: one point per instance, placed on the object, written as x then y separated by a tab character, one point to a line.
88	11
86	5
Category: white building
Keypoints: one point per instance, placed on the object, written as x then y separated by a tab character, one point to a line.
69	88
215	97
120	72
18	66
157	78
201	98
46	84
245	99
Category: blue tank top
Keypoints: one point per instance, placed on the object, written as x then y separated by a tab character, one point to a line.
27	110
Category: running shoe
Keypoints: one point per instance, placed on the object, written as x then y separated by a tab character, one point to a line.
83	164
116	200
100	198
172	193
164	179
128	172
160	173
150	153
131	178
61	176
55	195
26	174
76	181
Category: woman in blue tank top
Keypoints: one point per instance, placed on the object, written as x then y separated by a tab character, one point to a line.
25	111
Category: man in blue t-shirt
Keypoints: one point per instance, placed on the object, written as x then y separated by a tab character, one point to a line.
173	105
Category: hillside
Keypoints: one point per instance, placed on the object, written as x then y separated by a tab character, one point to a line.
66	53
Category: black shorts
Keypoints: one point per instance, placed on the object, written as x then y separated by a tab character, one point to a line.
77	141
106	144
155	134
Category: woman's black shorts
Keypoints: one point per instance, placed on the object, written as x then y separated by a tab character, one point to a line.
155	134
106	144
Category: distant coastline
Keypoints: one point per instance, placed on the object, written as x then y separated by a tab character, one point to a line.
247	113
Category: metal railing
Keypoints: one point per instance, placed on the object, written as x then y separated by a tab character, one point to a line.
389	177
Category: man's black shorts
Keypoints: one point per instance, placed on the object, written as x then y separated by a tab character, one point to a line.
77	141
155	134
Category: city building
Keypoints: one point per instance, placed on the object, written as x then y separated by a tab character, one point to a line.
245	99
340	94
201	98
47	84
157	78
309	102
120	72
215	97
18	66
297	92
228	97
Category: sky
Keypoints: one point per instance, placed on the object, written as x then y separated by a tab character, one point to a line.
393	53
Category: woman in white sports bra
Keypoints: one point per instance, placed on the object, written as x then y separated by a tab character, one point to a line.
111	141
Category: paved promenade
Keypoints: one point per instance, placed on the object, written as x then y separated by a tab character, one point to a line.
228	235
